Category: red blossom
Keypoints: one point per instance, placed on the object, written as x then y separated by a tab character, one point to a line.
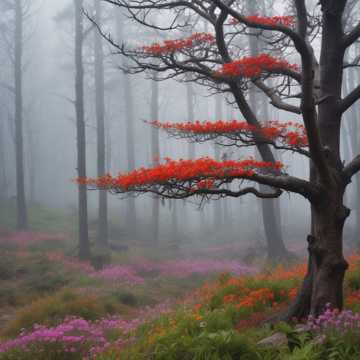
203	172
289	133
268	20
253	66
171	46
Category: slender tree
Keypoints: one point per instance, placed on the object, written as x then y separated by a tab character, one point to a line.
155	153
128	102
102	235
316	88
84	244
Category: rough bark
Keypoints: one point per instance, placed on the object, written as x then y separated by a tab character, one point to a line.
22	218
102	232
84	245
326	269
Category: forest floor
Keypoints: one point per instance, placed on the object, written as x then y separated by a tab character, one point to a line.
156	305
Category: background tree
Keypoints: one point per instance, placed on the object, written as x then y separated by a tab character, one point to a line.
84	244
102	235
12	29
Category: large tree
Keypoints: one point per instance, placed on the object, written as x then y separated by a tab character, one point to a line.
312	89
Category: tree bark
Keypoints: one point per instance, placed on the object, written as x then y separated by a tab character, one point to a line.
323	283
103	233
22	218
84	244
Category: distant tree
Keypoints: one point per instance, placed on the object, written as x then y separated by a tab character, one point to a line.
12	29
216	60
102	235
128	103
84	244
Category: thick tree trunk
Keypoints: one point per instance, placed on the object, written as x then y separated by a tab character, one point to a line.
326	269
155	153
130	130
102	234
22	219
84	245
327	252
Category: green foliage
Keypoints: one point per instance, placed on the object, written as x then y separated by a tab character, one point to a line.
53	309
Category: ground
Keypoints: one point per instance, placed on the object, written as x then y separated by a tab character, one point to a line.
163	305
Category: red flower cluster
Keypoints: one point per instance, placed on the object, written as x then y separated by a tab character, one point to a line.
268	20
252	66
171	46
289	133
202	171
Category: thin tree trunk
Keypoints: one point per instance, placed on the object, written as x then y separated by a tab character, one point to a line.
22	218
3	174
103	233
155	153
31	161
276	249
217	222
190	99
84	244
130	132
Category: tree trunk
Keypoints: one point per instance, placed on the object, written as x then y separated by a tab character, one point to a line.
155	153
217	222
22	219
130	131
323	283
102	234
276	250
190	98
84	245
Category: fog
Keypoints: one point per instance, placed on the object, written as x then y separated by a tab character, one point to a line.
50	136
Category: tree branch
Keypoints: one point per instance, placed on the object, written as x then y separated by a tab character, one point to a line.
350	99
350	38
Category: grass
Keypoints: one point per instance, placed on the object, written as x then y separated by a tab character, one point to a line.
40	218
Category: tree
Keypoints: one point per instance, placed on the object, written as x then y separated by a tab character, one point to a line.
84	244
128	103
15	50
214	59
102	235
